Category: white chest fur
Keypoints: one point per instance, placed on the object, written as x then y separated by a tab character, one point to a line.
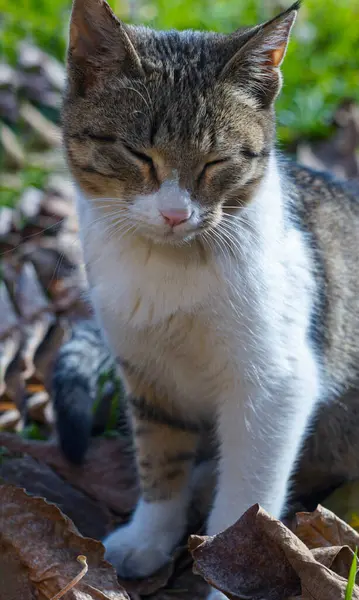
198	325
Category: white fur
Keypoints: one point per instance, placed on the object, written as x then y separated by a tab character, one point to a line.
144	545
245	354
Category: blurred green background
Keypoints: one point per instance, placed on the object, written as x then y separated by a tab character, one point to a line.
321	68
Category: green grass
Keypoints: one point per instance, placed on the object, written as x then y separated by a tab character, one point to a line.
321	67
28	176
352	577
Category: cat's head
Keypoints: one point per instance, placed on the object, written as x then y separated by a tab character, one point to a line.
168	132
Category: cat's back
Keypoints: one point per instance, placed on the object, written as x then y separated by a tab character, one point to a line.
327	210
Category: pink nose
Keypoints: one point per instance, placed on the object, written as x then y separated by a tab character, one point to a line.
176	217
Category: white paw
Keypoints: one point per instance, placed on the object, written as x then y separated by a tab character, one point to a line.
145	544
132	555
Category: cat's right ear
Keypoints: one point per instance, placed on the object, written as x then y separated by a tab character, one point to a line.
99	42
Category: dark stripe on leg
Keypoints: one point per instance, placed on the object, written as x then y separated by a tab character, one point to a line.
148	412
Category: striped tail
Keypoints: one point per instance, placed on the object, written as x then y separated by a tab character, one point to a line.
78	366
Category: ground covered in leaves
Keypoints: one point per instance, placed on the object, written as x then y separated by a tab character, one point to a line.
52	513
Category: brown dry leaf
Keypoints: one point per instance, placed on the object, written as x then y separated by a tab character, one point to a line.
160	579
14	580
47	351
259	557
9	348
336	558
35	334
36	406
45	130
184	585
15	385
244	562
48	544
30	297
90	517
11	335
322	528
9	419
108	474
9	318
13	152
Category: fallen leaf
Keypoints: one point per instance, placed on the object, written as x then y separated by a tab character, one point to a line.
157	581
90	517
47	351
9	347
45	130
14	580
108	474
47	543
336	558
9	419
35	334
244	562
322	528
9	318
259	557
36	406
30	297
7	406
11	147
184	585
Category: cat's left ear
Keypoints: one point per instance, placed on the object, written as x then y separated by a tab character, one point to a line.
255	65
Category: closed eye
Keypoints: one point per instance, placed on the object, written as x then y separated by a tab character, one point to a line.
100	137
210	164
139	155
250	154
247	153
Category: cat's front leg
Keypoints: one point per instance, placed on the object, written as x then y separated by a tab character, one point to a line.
165	448
260	433
261	430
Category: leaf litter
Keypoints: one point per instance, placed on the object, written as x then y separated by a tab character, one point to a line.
46	505
47	543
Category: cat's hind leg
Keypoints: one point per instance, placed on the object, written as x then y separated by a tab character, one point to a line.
165	450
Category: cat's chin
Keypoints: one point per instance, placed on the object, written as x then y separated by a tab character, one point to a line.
169	239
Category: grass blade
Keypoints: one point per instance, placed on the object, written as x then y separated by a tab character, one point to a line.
352	577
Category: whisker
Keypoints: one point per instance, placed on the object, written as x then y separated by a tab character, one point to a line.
232	242
110	228
32	235
101	219
243	224
121	230
221	242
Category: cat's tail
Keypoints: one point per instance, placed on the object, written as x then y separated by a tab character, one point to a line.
80	362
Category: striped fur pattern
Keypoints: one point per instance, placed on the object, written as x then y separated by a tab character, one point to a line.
77	368
222	280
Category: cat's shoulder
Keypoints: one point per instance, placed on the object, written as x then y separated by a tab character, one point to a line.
311	185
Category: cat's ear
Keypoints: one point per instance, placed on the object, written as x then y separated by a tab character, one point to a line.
255	65
99	41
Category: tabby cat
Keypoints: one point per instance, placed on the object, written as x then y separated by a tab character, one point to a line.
224	279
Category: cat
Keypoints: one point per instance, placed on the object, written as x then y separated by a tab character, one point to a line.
223	278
